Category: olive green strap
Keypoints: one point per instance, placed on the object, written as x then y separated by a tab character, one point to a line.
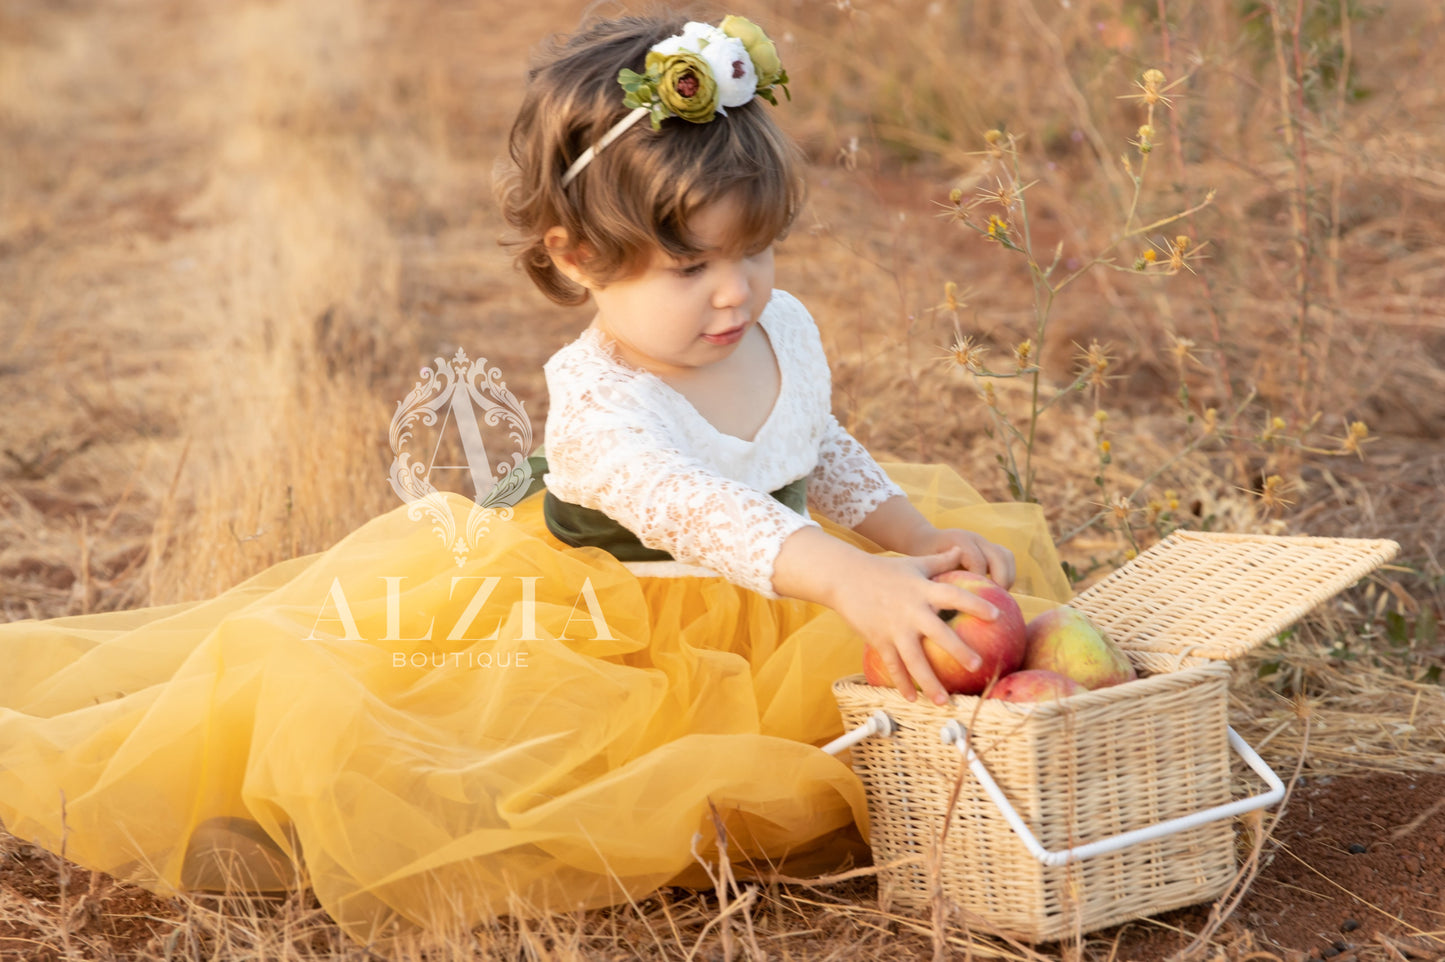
580	527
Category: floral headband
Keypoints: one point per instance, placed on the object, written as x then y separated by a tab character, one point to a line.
696	75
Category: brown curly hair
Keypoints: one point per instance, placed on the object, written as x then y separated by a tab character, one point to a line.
636	196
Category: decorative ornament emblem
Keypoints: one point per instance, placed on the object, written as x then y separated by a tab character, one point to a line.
455	391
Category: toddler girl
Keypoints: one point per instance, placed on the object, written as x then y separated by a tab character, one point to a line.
641	653
697	388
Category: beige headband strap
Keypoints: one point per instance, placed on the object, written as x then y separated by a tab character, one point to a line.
612	134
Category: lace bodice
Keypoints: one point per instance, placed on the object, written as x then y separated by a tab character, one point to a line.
622	441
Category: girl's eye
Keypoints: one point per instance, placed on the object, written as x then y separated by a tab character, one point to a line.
692	270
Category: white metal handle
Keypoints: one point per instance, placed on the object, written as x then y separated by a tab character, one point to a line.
955	733
878	723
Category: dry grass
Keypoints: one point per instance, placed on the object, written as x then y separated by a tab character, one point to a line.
230	231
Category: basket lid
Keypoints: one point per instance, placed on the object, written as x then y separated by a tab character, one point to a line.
1220	595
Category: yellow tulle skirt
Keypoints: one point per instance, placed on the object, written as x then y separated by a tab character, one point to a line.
430	744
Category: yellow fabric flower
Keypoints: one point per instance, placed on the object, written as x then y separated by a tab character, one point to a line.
685	85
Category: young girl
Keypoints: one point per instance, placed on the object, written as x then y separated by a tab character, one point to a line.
644	651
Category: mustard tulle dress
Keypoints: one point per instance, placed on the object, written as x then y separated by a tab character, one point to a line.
569	762
429	745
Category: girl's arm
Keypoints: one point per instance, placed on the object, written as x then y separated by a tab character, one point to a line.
848	486
897	525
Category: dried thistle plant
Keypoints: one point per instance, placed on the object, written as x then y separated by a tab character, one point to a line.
998	211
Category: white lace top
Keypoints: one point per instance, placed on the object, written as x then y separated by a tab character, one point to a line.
622	441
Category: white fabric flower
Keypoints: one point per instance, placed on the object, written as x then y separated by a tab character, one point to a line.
673	45
693	38
727	58
732	68
702	34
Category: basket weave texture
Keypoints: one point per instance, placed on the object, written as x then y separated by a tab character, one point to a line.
1199	595
1098	763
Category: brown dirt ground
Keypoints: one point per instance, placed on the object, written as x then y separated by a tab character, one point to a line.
1355	870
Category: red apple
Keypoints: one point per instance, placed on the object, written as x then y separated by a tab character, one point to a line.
1034	685
1064	640
874	671
1000	643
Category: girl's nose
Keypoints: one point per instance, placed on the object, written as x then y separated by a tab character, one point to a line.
733	287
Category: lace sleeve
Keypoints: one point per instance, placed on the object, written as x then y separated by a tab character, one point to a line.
610	447
847	484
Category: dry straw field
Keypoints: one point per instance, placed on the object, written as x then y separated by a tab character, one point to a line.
232	230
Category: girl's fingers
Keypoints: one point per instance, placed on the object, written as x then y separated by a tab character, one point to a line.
959	598
937	564
946	638
1001	565
901	679
897	673
974	558
922	672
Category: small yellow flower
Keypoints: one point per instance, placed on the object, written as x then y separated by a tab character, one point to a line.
1211	420
1105	447
1357	435
1101	416
1272	493
955	195
966	353
988	395
1006	195
951	300
1172	498
1094	364
1181	251
1145	141
1176	258
1121	508
1183	350
997	227
1152	89
1024	352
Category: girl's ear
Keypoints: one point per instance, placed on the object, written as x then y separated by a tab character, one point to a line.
558	243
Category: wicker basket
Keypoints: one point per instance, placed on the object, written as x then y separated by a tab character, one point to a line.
1149	758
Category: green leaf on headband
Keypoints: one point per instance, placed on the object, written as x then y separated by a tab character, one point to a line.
767	92
631	80
642	92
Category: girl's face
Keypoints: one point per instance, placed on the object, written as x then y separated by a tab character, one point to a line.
676	316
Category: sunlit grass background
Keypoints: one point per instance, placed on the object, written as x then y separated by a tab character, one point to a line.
232	232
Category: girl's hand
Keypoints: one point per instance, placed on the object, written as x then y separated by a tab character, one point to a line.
979	554
891	601
894	603
898	526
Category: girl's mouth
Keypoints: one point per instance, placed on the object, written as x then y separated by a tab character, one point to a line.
730	336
